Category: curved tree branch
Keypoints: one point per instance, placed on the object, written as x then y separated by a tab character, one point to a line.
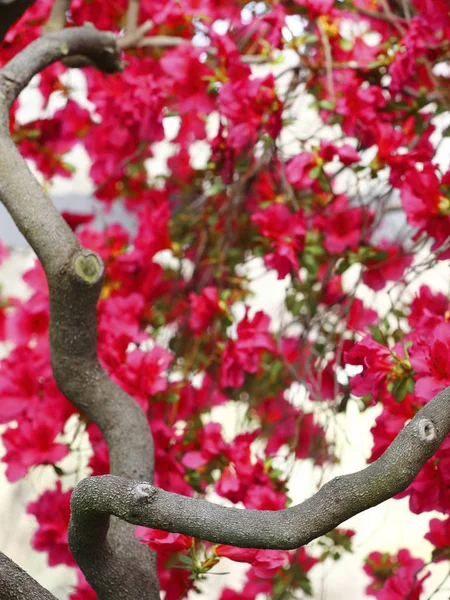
15	584
10	12
142	504
116	566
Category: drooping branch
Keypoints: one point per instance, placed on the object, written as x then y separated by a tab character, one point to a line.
343	497
15	584
117	567
10	12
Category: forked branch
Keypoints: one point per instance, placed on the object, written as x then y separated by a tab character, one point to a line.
117	567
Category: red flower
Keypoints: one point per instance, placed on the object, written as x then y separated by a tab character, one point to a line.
439	536
143	375
428	310
298	169
30	320
395	577
389	268
377	364
203	308
251	107
163	541
287	233
243	355
343	226
83	591
52	511
431	361
75	220
265	562
31	443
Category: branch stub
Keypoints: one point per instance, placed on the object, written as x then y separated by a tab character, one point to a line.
89	268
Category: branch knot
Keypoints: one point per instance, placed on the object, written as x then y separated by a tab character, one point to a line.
427	430
143	492
89	267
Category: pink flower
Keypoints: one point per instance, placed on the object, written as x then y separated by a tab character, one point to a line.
389	268
428	311
212	446
343	226
30	320
20	385
203	308
244	354
316	7
75	220
229	486
431	361
188	79
298	169
377	364
439	536
348	155
395	577
119	325
52	512
251	106
429	490
360	317
31	443
143	375
83	591
153	233
287	232
163	541
265	562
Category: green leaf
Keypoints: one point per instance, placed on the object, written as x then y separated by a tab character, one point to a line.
327	104
315	172
217	187
186	560
346	45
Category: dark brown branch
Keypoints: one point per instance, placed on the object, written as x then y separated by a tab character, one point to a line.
343	497
117	567
10	12
15	584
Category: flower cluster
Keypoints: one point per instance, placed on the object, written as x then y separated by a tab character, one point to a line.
176	326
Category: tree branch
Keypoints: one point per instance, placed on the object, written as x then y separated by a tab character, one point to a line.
74	274
15	584
95	498
132	19
172	41
10	12
57	18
